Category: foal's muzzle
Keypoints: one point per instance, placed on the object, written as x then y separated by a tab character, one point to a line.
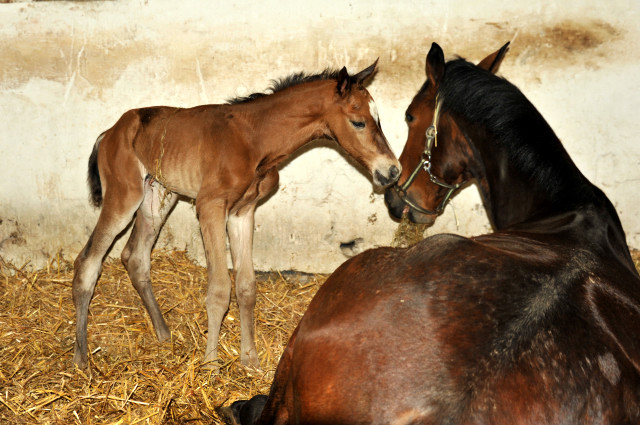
392	176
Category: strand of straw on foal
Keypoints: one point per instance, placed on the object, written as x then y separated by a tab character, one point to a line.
158	171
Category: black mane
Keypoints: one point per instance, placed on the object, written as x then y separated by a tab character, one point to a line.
481	98
286	82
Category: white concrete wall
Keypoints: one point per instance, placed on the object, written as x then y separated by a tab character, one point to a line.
68	70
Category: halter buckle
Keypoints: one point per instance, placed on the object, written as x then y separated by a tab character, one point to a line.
432	138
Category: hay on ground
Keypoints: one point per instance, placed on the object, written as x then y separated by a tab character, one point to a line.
133	379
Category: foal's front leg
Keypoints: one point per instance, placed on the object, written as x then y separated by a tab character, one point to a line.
212	215
240	227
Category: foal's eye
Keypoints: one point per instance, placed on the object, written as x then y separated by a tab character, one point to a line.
358	124
408	117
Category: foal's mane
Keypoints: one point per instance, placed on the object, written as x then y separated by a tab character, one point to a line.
285	83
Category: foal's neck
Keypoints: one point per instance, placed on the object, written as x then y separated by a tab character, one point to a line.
285	121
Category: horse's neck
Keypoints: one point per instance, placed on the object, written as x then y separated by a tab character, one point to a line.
520	186
511	195
536	199
285	121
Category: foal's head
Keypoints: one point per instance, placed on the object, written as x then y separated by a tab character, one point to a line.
354	123
433	167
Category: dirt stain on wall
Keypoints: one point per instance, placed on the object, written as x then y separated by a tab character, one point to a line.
101	59
566	43
104	64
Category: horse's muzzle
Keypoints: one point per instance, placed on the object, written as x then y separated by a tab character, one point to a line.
398	208
394	204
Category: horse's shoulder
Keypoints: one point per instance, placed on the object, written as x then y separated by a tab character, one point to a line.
386	258
441	244
450	248
446	240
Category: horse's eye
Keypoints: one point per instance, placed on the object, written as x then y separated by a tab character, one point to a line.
408	117
358	124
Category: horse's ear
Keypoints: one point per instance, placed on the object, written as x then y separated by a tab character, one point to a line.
361	76
492	62
435	65
344	81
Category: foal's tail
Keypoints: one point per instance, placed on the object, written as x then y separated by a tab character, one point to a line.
93	178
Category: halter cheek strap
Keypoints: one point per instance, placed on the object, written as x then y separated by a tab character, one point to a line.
432	131
425	164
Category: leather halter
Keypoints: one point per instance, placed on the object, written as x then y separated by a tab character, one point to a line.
425	164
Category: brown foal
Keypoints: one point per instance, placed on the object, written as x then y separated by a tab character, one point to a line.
226	158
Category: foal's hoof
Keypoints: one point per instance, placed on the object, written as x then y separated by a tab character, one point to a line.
210	361
163	336
212	367
250	360
80	361
82	365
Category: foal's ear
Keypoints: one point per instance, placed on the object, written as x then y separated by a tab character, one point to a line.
344	81
492	62
435	65
361	76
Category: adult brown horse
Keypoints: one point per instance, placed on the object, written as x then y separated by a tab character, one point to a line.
226	158
537	323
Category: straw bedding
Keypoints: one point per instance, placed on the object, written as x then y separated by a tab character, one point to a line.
133	379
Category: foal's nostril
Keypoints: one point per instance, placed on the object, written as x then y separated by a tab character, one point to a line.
394	173
392	176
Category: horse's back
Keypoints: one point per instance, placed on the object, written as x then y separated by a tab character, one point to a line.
415	336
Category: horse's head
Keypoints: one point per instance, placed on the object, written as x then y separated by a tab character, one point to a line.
354	123
435	157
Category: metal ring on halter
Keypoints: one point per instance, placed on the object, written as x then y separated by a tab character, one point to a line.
432	139
425	163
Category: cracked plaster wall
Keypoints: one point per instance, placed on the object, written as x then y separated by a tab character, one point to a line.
68	70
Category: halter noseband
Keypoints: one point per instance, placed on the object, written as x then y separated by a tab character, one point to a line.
425	163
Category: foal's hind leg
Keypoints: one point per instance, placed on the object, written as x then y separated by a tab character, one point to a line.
136	255
240	227
115	215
